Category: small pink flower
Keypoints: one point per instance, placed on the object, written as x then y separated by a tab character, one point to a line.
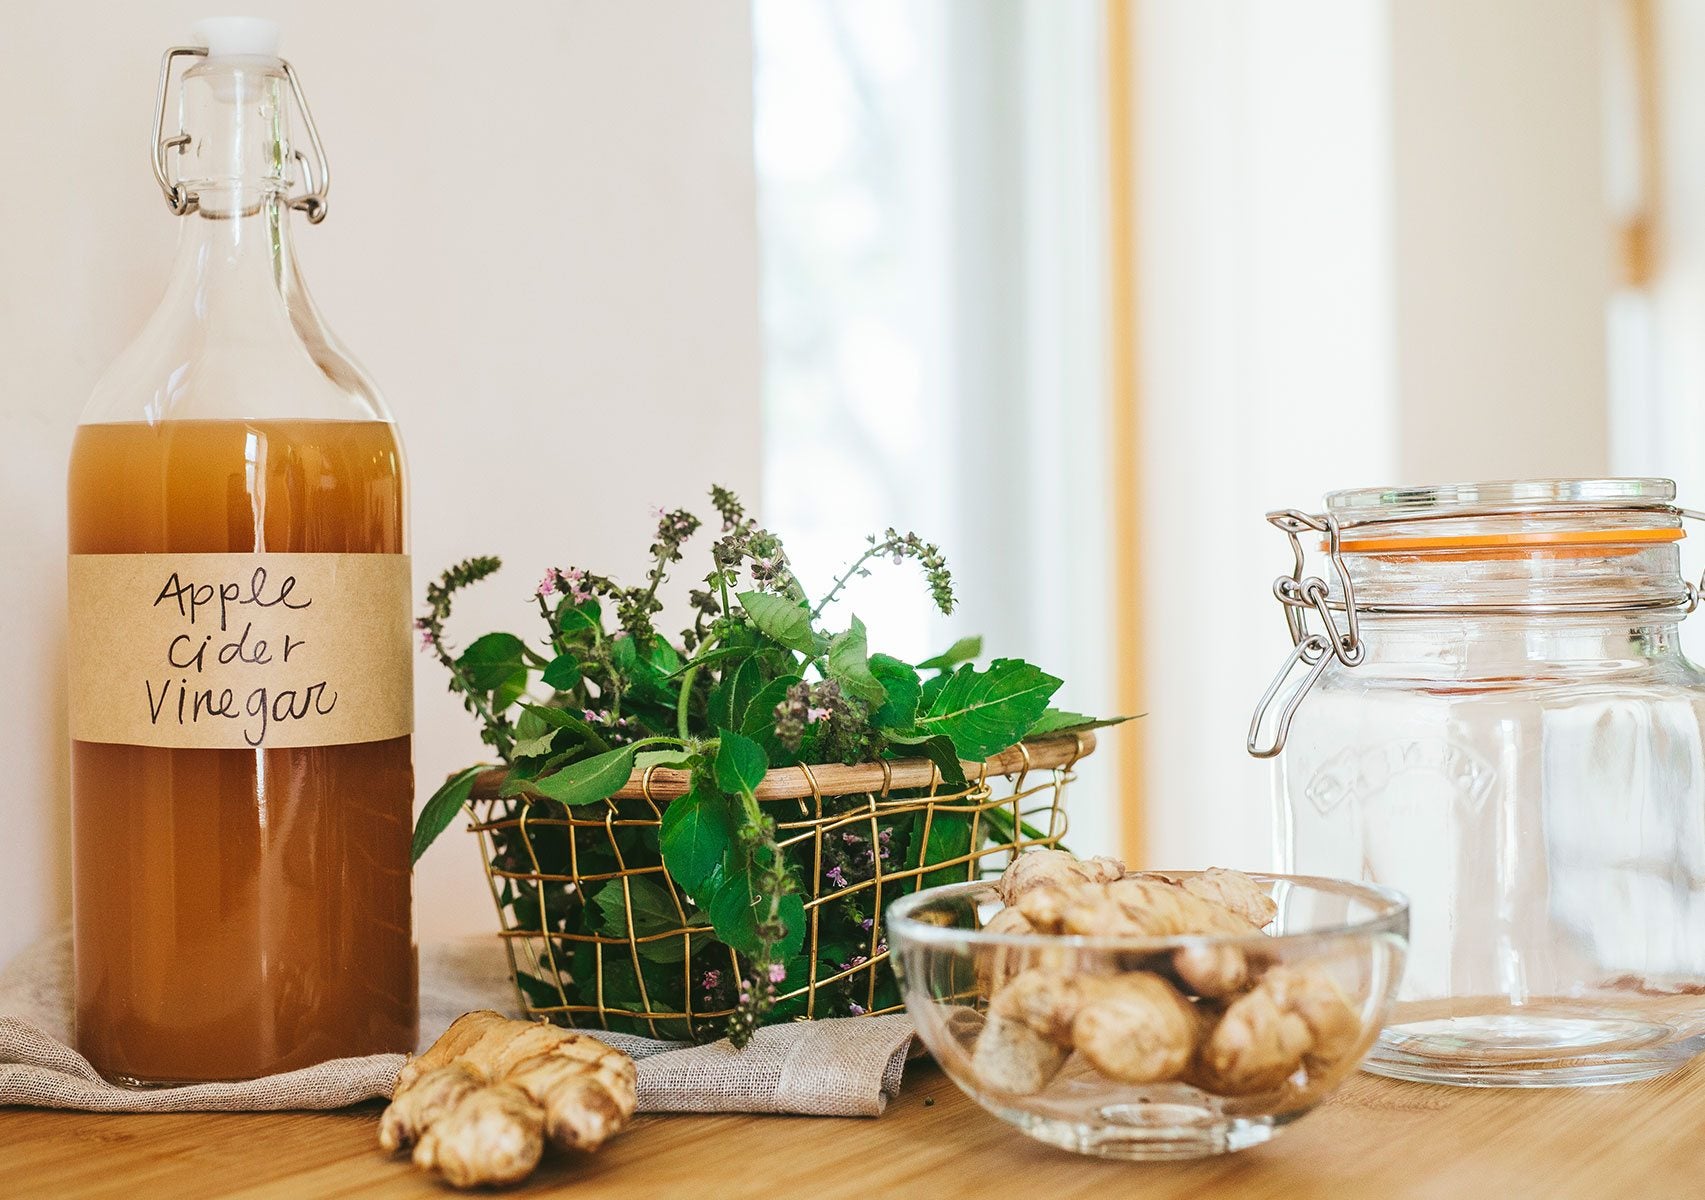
711	980
836	876
777	972
427	641
855	1008
816	714
547	585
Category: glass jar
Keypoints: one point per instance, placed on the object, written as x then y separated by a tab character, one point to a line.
1488	708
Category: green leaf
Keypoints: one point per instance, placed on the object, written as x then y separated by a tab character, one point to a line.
650	909
590	780
903	691
1059	721
964	650
558	718
760	712
759	723
849	665
737	907
624	655
581	618
663	656
1000	822
949	838
446	802
932	688
698	830
562	673
534	747
940	750
511	690
539	993
793	917
986	711
740	763
493	660
672	756
533	738
733	692
734	914
783	621
710	658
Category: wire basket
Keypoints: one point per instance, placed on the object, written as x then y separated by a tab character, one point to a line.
599	934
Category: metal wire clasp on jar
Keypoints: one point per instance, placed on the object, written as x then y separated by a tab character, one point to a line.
1500	721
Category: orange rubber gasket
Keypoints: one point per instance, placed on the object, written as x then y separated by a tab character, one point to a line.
1512	541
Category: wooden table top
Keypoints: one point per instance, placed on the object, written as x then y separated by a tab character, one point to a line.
1375	1138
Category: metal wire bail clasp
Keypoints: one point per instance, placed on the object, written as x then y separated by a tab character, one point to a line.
316	171
1300	594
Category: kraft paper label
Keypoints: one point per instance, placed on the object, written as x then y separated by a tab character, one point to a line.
240	651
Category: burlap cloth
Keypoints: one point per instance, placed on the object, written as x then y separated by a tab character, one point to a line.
849	1067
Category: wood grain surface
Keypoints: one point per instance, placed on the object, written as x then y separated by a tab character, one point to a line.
1376	1138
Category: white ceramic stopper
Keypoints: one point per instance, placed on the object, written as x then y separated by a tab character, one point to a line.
226	36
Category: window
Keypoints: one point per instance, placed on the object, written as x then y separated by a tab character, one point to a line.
931	217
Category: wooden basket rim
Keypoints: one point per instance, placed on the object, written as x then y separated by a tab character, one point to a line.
1054	751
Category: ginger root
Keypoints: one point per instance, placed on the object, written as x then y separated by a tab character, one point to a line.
1249	1028
1136	1028
1044	868
1133	1027
997	964
1136	906
1235	891
482	1102
1294	1016
1012	1057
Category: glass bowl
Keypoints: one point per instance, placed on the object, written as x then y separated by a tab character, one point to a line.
1337	949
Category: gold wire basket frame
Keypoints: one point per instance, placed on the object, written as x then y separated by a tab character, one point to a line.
1037	773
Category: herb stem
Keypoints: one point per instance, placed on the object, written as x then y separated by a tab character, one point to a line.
550	620
845	579
687	679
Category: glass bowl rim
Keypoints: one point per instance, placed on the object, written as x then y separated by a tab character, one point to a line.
903	927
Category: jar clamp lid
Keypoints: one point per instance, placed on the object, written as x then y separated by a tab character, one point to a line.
239	38
1547	520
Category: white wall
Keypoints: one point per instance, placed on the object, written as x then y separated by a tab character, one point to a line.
541	244
1372	249
1501	237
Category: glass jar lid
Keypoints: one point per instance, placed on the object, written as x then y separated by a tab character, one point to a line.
1567	549
1547	517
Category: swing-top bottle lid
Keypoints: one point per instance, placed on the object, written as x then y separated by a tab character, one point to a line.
227	37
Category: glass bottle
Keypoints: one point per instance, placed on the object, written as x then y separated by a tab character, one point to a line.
1490	710
240	669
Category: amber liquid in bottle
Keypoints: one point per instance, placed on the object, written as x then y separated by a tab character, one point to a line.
240	912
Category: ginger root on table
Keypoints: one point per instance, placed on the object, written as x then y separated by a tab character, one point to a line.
482	1102
1251	1025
